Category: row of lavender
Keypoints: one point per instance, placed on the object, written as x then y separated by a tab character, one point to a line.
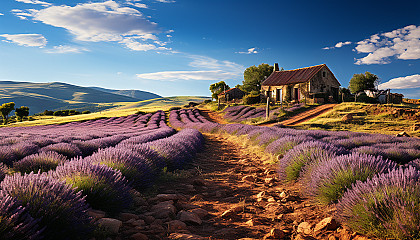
77	138
54	204
242	113
373	179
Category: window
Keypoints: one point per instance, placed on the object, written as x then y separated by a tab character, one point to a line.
324	74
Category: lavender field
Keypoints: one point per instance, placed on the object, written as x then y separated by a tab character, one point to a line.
243	113
52	175
373	179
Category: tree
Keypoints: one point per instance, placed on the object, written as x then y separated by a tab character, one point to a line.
5	110
254	76
217	88
360	82
21	112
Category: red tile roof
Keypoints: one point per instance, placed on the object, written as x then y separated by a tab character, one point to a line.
229	91
299	75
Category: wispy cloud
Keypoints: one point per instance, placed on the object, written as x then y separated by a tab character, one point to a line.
250	51
165	1
1	14
66	49
209	69
338	45
187	75
412	81
29	40
46	4
403	43
106	21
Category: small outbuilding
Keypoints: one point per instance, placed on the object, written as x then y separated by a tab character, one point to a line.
231	94
385	96
317	83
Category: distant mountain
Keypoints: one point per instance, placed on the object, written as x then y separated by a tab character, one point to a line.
137	94
55	96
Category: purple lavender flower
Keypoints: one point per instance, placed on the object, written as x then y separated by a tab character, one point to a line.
105	188
67	149
328	180
293	162
386	206
62	212
43	161
280	146
133	166
15	222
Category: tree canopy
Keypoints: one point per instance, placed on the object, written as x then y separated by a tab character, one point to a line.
360	82
5	110
217	88
21	112
254	76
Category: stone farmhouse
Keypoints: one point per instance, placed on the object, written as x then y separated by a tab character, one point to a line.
231	94
316	83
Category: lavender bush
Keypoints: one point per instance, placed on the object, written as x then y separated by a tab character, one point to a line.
62	212
15	221
67	149
42	162
293	162
386	206
105	188
133	166
328	180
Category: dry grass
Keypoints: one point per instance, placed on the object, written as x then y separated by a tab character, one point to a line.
384	123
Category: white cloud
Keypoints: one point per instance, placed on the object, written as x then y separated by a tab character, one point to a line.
165	1
45	4
1	14
250	51
338	45
412	81
187	75
403	43
66	49
209	69
139	5
29	40
101	22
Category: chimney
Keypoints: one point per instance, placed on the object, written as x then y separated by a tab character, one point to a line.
276	67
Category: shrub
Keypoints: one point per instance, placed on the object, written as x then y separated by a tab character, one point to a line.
62	212
251	99
43	161
105	188
86	112
67	149
133	166
24	149
293	162
3	171
15	222
282	145
48	113
387	206
7	156
328	180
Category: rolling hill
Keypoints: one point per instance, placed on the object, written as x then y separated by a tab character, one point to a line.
137	94
54	96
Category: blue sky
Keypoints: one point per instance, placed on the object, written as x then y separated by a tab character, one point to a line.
180	47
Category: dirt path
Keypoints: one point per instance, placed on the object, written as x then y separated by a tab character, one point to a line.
307	115
213	116
241	194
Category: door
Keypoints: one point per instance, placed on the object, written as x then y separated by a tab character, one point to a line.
296	96
279	95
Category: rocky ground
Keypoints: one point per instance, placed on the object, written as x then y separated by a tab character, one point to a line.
228	193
